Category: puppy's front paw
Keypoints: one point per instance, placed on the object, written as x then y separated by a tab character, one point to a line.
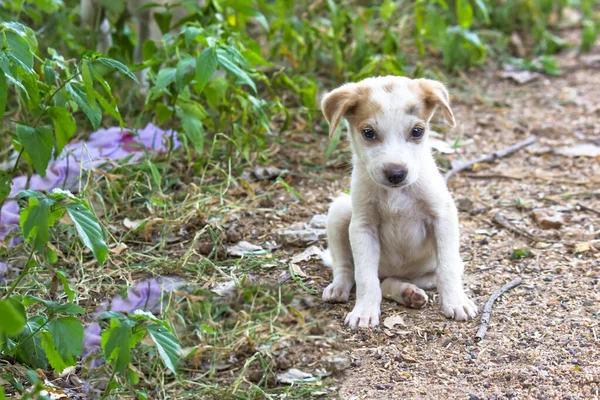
460	308
337	292
363	317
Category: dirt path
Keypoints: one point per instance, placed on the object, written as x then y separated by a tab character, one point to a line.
544	338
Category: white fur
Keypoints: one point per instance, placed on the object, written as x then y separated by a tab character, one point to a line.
395	238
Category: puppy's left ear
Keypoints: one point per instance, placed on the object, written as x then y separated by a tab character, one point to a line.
435	94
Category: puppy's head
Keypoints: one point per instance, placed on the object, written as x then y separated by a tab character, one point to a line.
389	121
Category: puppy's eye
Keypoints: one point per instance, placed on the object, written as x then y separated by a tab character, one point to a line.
417	132
368	133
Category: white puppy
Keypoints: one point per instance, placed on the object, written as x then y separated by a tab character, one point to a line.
397	232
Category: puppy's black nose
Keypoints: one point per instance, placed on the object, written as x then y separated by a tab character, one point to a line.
395	174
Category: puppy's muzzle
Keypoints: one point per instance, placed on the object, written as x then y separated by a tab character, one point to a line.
395	174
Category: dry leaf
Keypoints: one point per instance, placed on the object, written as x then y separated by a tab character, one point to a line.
583	247
119	249
392	321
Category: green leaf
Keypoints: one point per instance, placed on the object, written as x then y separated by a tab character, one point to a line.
167	344
19	50
191	33
164	78
206	65
52	353
67	337
112	111
89	107
185	69
89	230
116	65
38	144
34	221
12	320
29	350
484	10
3	93
5	183
225	61
464	12
520	253
49	74
192	125
64	127
116	344
62	277
588	36
54	307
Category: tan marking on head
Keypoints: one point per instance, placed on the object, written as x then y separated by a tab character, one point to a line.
434	94
353	102
389	87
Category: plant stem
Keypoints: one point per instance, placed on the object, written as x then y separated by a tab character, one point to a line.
108	388
36	331
23	274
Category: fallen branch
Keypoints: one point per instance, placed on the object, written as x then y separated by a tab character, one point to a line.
586	208
487	309
491	157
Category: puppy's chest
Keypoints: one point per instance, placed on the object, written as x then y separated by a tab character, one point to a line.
400	207
404	216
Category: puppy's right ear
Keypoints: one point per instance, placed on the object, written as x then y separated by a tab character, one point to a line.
336	105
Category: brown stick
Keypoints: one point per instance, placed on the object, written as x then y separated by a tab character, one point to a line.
588	209
491	157
487	309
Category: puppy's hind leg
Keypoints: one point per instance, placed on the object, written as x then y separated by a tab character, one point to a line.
338	222
404	293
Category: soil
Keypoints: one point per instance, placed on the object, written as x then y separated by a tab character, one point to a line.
543	339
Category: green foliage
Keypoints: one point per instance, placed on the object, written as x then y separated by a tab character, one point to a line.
225	77
124	334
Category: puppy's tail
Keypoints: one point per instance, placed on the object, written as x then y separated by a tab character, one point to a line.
327	259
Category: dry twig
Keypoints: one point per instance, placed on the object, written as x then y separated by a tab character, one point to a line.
491	157
487	309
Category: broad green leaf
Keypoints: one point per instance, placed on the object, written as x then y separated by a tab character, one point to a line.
29	350
49	74
48	6
54	307
116	65
164	78
167	344
52	353
64	127
192	125
226	62
34	222
191	33
89	230
116	344
88	83
112	111
464	13
38	144
67	336
90	108
12	319
19	49
3	93
185	69
206	65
